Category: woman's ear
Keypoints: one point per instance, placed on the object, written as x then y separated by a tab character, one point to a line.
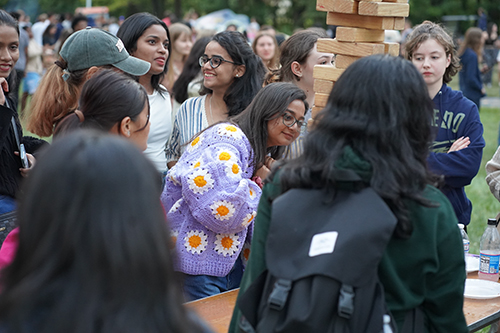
296	69
124	127
91	71
240	71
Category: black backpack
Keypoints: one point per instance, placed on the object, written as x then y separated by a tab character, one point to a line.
322	260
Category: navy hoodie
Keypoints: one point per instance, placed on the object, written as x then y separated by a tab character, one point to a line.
456	116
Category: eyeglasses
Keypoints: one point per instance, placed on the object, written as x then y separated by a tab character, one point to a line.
147	121
215	61
289	121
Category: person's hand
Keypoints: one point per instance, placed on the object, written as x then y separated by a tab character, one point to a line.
263	172
459	144
5	88
269	162
31	160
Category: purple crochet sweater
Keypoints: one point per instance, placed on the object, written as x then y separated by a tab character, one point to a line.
211	202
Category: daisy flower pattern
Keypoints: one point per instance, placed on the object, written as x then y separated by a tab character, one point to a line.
194	144
249	218
252	192
224	156
233	169
175	207
230	131
222	210
245	253
196	241
173	236
226	244
200	181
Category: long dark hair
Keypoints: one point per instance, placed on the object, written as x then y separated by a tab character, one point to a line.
386	120
190	70
133	28
93	251
8	20
106	99
239	95
269	103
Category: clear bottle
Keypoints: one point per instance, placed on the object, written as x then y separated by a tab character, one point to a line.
489	252
465	239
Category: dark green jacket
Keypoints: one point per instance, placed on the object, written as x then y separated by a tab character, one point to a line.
426	270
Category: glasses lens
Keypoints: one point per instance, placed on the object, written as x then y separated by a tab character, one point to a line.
202	61
288	120
215	61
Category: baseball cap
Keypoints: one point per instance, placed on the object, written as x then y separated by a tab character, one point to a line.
95	47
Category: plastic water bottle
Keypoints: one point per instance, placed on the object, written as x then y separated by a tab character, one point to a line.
489	252
465	239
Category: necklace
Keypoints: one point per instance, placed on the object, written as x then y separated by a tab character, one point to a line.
210	107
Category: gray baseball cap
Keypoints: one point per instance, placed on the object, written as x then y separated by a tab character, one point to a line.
95	47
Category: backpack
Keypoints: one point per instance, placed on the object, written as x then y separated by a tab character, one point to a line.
322	258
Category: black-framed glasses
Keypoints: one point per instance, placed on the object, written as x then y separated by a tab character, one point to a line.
289	120
147	121
215	61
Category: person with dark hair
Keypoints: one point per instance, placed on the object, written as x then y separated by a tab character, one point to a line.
111	102
211	194
11	132
82	55
232	76
458	147
380	128
79	22
93	245
189	82
298	57
147	37
471	56
49	36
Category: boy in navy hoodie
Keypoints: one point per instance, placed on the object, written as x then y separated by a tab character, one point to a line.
458	147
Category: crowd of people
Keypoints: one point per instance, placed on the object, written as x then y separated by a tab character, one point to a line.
168	152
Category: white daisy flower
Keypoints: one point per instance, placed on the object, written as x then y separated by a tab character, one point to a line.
200	181
233	169
197	164
224	156
171	178
222	209
245	253
173	237
230	131
196	241
195	143
249	218
175	207
252	192
226	244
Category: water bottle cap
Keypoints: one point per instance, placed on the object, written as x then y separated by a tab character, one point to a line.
492	222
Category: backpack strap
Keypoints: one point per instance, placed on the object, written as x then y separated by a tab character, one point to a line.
275	303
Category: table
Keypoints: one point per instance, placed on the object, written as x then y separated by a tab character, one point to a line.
217	310
480	313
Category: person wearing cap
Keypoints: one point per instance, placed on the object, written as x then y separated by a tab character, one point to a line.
82	55
147	37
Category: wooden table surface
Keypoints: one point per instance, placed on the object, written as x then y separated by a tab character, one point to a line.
217	310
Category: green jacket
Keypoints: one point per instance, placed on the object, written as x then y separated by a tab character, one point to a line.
426	270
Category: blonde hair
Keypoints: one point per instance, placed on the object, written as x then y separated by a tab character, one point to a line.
176	30
274	62
429	30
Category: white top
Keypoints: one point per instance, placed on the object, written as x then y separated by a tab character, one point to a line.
190	119
161	128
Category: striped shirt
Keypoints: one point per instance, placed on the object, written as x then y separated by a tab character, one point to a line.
190	119
296	148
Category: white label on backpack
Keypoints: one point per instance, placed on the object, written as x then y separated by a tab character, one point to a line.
323	243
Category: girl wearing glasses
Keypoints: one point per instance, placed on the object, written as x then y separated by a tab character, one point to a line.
232	76
147	37
111	102
210	195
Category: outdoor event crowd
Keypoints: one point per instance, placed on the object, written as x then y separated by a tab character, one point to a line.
169	145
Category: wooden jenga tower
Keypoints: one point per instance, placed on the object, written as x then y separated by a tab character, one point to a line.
360	33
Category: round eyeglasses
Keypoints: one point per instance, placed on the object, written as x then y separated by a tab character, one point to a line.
215	61
289	121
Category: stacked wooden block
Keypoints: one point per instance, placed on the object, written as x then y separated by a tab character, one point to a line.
360	33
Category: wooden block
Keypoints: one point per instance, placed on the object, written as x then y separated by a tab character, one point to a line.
384	9
338	6
320	100
346	34
323	86
325	72
397	1
344	61
358	21
329	45
399	23
315	110
392	48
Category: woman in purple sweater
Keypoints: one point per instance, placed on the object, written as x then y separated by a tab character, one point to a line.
212	193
